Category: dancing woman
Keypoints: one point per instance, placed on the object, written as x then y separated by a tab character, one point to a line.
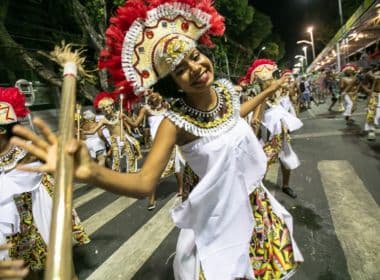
276	123
222	235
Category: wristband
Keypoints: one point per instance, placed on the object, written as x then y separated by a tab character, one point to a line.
70	69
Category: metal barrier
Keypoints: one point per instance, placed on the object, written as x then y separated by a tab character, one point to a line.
27	89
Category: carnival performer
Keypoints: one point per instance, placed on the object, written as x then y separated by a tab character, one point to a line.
349	86
95	144
154	110
306	93
287	90
127	146
373	111
25	197
276	123
222	235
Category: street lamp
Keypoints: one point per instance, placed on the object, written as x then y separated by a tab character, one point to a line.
305	53
310	30
340	12
301	58
262	49
311	43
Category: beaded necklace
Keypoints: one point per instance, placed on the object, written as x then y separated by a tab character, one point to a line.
10	159
208	123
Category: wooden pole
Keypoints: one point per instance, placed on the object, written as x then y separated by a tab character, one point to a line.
59	261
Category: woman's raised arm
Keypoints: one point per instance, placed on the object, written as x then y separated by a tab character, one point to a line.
251	104
130	184
140	117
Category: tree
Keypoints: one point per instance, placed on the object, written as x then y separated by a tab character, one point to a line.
238	15
272	50
260	27
276	49
239	48
84	23
49	26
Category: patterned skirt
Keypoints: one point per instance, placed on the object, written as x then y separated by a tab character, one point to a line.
131	149
273	147
372	107
170	167
271	250
28	244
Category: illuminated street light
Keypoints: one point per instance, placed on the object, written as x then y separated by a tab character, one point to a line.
262	49
305	54
310	30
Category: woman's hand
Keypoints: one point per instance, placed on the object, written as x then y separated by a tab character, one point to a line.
10	269
45	148
281	81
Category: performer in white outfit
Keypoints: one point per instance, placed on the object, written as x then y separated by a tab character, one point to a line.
95	144
25	197
122	143
373	110
286	92
231	226
349	86
276	123
154	111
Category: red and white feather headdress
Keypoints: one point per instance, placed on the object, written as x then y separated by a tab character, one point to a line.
255	64
147	39
103	99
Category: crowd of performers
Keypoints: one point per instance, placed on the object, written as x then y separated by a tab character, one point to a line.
345	87
219	140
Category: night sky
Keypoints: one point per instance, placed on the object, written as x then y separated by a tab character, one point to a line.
291	18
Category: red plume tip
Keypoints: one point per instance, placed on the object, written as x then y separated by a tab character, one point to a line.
16	99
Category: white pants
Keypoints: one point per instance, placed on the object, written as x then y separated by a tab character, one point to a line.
348	104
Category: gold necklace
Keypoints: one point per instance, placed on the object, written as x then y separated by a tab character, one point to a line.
10	159
208	123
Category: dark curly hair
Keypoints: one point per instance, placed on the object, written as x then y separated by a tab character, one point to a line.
168	88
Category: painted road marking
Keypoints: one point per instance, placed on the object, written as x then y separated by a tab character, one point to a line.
356	218
339	115
87	197
327	133
130	257
102	217
79	186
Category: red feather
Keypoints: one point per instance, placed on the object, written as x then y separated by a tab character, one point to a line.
217	20
100	96
16	99
256	63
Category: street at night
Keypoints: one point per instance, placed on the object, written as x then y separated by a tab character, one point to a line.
190	139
